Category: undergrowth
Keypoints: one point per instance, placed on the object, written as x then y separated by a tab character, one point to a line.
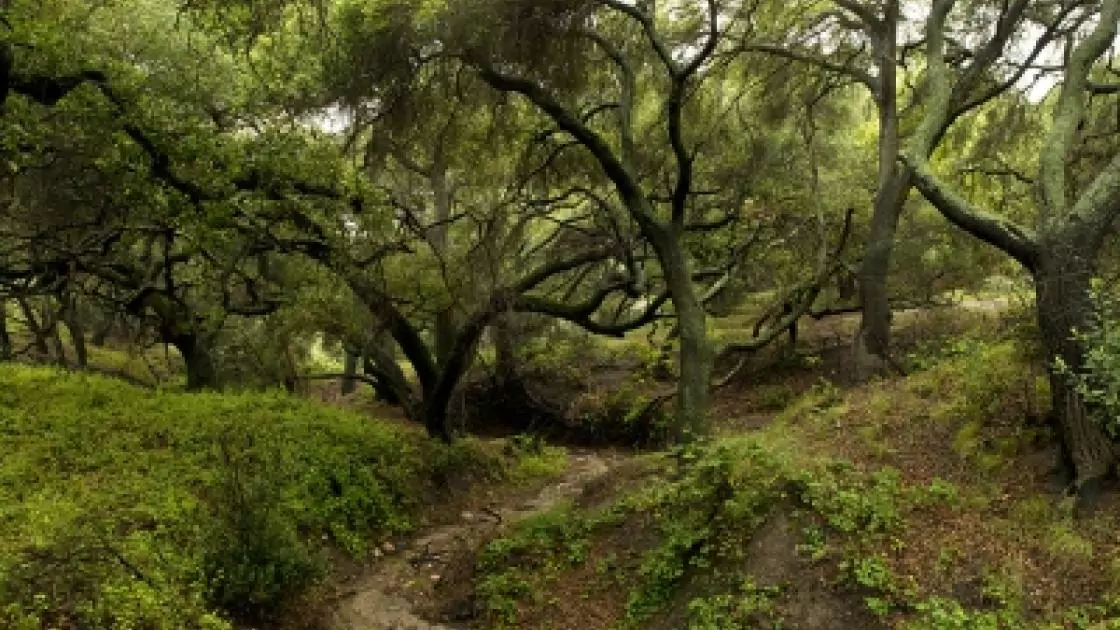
704	516
122	508
873	482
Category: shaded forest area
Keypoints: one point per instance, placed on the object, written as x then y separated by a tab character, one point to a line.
359	314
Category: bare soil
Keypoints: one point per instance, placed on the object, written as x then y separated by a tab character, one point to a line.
424	582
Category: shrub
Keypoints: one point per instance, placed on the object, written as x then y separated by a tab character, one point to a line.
120	508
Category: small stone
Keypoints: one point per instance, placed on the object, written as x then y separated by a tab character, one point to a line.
377	553
435	577
388	547
468	516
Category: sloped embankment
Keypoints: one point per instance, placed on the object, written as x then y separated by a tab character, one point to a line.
920	502
124	508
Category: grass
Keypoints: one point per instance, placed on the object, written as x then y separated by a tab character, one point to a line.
123	508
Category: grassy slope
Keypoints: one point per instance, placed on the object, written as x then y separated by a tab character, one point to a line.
918	502
122	508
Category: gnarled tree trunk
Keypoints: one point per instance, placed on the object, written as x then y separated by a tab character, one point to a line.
73	321
33	325
198	357
1064	306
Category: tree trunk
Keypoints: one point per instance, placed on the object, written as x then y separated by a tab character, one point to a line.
438	399
505	347
872	344
32	323
50	329
5	337
1064	305
444	335
73	321
390	384
101	330
445	332
202	374
873	340
349	369
695	353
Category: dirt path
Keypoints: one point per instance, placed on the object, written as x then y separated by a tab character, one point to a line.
396	591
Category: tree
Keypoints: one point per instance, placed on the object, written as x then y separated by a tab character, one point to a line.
119	186
985	69
623	35
632	175
1062	251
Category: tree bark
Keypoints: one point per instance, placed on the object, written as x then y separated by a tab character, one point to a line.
873	340
102	329
437	401
5	337
1063	306
505	347
202	373
872	343
33	325
390	385
50	331
695	352
73	321
349	368
444	335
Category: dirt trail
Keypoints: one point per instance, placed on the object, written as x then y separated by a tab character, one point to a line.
395	592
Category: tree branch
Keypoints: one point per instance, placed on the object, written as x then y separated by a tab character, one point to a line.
1053	187
1018	242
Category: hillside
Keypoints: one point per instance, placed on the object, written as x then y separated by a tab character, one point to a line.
126	508
925	501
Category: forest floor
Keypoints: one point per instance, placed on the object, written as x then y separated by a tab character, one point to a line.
927	499
426	576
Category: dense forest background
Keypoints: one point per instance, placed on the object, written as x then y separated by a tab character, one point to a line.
724	236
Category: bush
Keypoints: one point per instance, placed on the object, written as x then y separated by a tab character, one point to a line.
1099	382
120	508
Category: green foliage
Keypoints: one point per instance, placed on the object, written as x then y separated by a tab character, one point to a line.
938	613
727	489
934	353
984	389
511	567
533	459
1099	380
751	606
775	397
850	503
177	511
606	389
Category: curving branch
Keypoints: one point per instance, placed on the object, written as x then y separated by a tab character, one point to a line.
1053	186
600	149
860	75
1017	241
807	294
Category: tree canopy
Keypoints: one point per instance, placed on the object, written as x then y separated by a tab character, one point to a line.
406	179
